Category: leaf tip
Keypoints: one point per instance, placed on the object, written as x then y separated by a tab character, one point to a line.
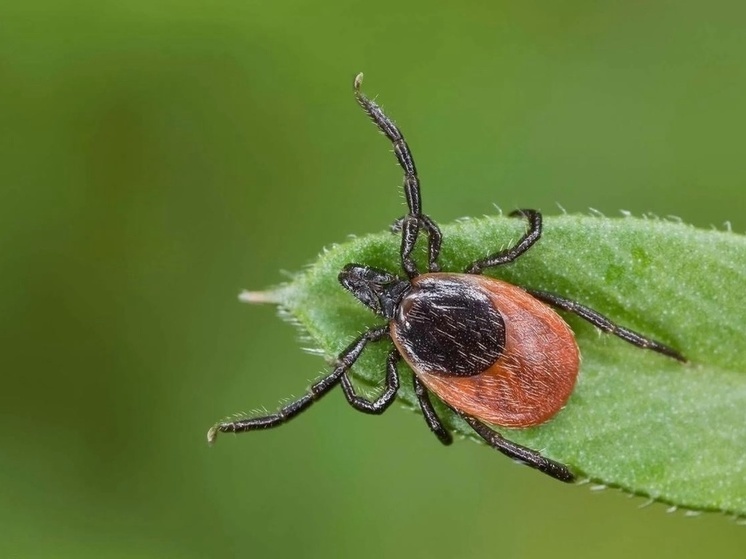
272	297
212	434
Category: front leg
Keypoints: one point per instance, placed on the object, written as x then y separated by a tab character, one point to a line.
434	241
415	220
318	389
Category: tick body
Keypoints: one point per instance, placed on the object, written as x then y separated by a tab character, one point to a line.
487	348
494	353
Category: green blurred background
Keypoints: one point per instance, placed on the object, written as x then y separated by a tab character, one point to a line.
157	157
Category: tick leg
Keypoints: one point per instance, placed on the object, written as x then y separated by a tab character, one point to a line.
381	404
317	390
517	452
431	417
415	220
508	255
606	325
435	239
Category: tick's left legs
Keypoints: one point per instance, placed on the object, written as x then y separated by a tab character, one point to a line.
505	256
517	452
317	390
492	438
604	324
380	404
415	220
431	417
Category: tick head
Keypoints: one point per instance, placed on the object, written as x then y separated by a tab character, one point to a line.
377	289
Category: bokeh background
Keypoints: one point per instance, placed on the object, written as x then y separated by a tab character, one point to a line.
158	156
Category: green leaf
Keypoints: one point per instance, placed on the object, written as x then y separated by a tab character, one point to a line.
636	420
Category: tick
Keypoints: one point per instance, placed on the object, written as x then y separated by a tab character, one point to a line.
492	352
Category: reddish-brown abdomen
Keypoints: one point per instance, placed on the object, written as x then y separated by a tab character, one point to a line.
532	379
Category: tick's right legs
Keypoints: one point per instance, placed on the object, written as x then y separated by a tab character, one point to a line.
410	224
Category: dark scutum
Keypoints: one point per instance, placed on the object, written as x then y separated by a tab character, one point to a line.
450	327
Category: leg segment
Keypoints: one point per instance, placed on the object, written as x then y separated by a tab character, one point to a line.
431	418
435	239
605	325
411	223
410	227
381	404
508	255
517	452
317	390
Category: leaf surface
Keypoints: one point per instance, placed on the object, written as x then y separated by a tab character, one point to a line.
636	420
